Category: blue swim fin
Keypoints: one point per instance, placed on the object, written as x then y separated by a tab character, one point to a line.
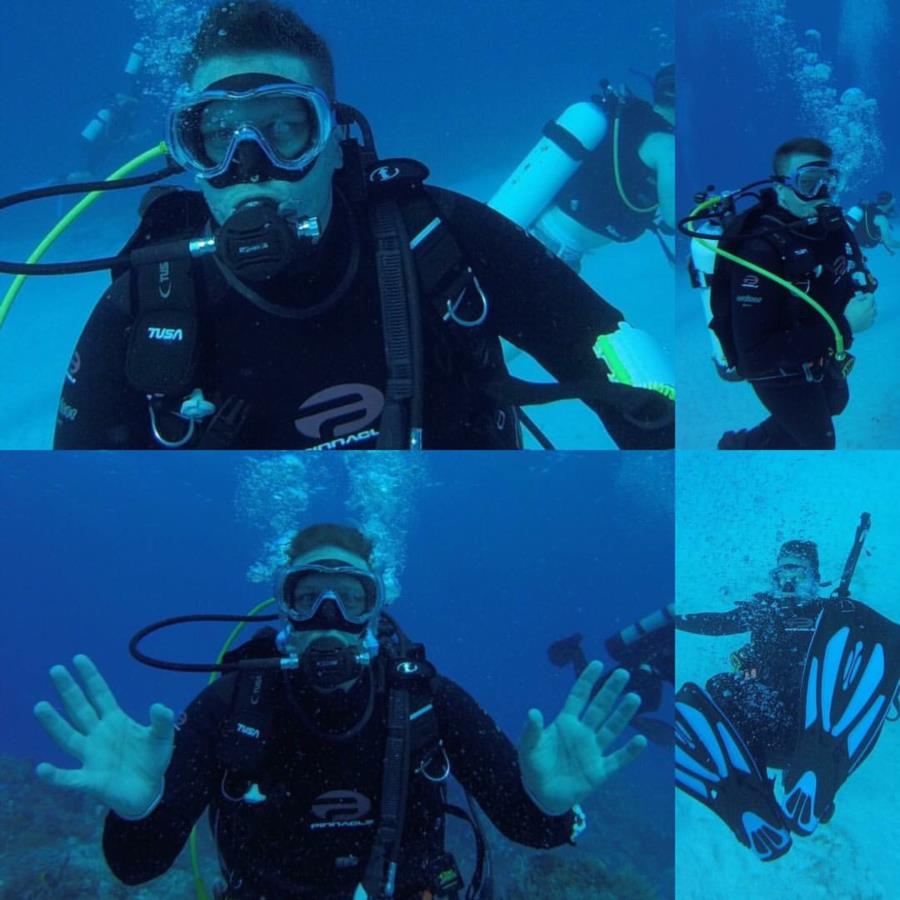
849	683
714	765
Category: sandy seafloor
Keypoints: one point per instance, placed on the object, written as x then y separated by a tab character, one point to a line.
37	341
709	406
733	512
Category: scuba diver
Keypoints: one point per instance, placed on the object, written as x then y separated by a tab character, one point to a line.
603	172
787	289
646	650
113	124
808	694
313	296
282	749
871	222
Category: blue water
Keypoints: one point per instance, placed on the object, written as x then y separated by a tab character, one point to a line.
740	95
502	555
734	511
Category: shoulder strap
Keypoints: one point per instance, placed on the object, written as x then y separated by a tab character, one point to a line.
163	345
401	421
412	735
246	733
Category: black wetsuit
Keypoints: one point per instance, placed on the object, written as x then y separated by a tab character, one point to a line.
311	836
777	334
866	232
591	196
762	696
319	381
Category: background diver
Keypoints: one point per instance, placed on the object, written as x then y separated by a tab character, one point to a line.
646	650
369	317
603	172
809	694
282	750
871	222
115	125
785	304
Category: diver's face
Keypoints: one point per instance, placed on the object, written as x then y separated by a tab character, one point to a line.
789	199
307	198
301	637
794	580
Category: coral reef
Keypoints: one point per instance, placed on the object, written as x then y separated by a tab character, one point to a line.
51	847
566	877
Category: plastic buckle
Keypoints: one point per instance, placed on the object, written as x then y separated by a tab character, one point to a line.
812	371
444	876
845	364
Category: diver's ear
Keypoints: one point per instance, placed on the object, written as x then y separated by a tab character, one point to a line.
335	149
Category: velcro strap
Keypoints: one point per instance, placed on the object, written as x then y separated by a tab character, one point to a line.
566	141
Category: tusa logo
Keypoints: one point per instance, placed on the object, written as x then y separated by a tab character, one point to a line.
246	729
168	335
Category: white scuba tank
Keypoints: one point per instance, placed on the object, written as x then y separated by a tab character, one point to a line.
703	259
547	168
854	216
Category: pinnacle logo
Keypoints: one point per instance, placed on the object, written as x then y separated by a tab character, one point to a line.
339	411
167	335
74	368
341	806
383	174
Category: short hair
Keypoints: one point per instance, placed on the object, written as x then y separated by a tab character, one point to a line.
664	86
808	145
258	26
328	534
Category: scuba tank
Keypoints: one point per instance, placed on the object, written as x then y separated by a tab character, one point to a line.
700	267
563	147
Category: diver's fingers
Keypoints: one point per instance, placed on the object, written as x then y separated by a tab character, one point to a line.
63	734
72	779
81	714
610	727
534	728
96	688
625	755
580	694
600	708
162	723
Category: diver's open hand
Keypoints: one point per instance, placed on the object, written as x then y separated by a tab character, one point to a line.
123	763
563	764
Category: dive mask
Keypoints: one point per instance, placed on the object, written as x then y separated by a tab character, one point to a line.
249	128
794	579
812	181
302	590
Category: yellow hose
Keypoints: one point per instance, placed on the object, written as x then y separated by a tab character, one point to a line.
714	247
618	174
71	216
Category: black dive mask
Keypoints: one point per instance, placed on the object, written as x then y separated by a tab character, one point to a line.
258	242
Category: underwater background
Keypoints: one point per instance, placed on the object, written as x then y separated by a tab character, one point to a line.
490	558
751	75
464	86
734	512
